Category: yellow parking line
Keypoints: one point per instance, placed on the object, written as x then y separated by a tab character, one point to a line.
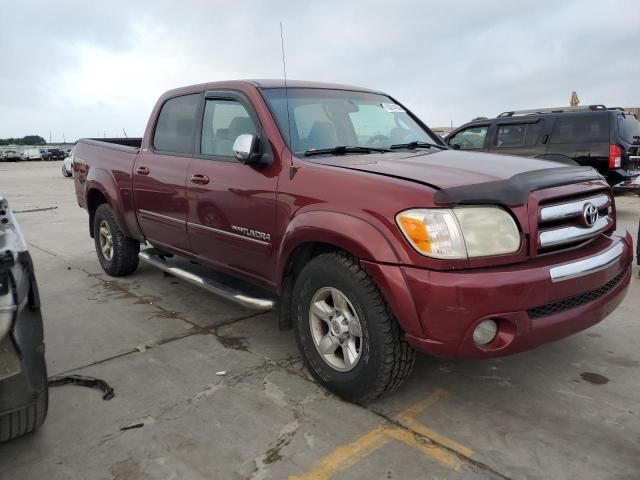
348	455
416	426
422	405
434	451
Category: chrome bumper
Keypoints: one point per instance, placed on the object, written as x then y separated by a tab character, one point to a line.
587	266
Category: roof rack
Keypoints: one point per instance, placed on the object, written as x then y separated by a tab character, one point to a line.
533	111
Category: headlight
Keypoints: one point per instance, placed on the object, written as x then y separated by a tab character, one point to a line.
460	233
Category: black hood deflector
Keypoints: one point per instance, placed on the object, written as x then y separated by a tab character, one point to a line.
515	190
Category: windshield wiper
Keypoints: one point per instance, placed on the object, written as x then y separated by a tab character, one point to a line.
414	145
344	149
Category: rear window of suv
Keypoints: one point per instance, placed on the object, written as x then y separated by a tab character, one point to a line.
575	128
628	127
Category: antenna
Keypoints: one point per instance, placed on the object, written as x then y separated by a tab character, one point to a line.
125	133
292	168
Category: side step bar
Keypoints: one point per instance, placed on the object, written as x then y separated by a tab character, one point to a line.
209	280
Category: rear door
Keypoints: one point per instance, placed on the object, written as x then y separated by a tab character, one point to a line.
160	172
232	206
523	137
583	137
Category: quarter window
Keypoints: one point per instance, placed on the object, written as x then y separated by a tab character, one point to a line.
470	138
574	128
175	128
518	135
224	121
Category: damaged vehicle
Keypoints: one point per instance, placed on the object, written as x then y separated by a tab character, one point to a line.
374	239
24	393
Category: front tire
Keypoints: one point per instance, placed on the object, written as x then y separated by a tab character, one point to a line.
348	337
118	254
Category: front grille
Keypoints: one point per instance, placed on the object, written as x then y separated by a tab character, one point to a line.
574	302
561	223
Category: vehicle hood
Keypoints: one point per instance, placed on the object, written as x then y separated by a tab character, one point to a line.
468	177
441	170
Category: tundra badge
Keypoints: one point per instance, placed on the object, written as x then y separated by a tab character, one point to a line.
247	232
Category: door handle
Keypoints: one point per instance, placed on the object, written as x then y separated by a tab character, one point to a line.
143	170
199	179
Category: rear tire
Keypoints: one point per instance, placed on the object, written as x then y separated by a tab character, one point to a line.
28	419
118	254
384	359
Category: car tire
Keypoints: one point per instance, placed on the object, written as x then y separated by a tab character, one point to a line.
384	360
27	419
117	253
65	172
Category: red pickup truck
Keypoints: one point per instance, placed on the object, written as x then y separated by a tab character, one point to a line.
340	207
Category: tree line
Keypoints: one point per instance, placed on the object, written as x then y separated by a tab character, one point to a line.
26	140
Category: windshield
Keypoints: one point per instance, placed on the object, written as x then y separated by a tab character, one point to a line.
324	119
629	127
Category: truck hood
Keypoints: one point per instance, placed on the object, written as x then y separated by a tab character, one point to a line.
466	177
444	169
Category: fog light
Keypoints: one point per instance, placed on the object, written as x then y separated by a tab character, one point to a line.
485	332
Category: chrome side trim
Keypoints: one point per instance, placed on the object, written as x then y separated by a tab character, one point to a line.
210	285
572	209
587	266
559	236
227	234
158	215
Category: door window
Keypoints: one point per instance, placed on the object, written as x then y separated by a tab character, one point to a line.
471	138
224	121
574	128
518	135
175	128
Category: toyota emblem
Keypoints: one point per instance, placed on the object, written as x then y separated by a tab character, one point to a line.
589	214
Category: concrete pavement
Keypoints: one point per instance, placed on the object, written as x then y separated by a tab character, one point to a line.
566	410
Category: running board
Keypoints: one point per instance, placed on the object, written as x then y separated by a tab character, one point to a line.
222	285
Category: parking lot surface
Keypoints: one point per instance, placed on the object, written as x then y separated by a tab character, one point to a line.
570	409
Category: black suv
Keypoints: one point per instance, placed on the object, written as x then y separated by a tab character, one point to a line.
607	139
56	154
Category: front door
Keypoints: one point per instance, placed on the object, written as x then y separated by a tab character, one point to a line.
232	206
159	175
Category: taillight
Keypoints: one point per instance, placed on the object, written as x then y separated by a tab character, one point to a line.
615	156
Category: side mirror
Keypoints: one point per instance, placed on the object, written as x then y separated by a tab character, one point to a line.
455	146
246	148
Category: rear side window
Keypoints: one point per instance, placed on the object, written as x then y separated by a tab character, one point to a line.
176	124
628	127
471	138
574	128
518	135
224	121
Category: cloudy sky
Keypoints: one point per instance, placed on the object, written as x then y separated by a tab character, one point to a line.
82	68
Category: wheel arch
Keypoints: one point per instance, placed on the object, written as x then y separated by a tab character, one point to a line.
319	231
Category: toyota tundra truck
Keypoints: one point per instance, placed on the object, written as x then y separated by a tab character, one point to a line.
340	208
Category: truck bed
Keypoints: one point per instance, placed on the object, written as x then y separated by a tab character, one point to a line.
130	145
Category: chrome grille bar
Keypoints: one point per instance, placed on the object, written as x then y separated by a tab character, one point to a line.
586	266
572	209
560	236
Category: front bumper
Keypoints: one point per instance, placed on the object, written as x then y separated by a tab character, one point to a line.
530	307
